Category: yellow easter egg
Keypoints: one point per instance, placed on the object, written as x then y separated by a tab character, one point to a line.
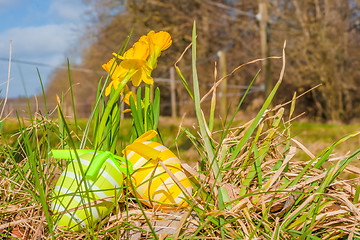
153	185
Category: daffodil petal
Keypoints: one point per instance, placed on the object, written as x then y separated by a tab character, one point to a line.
107	66
136	78
108	89
126	110
160	39
141	50
146	77
127	97
133	64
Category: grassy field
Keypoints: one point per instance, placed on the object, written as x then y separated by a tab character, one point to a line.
318	136
315	136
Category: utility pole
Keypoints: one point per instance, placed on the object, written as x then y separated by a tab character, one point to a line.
172	92
265	44
223	84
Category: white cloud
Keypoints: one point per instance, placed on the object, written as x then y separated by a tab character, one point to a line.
68	10
45	44
40	42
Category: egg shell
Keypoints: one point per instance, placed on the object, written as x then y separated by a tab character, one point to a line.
153	185
72	192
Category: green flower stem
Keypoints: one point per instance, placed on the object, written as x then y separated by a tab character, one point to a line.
108	108
146	105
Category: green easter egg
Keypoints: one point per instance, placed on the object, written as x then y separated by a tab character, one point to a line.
80	202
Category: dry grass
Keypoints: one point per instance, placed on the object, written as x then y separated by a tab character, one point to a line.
277	204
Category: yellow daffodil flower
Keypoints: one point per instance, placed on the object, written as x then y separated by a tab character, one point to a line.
140	50
115	85
126	100
116	71
112	84
161	40
158	42
138	62
116	74
134	62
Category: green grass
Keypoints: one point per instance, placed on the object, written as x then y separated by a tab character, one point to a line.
250	179
310	131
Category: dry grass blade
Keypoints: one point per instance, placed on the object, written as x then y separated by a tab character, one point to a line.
275	177
17	222
303	148
343	198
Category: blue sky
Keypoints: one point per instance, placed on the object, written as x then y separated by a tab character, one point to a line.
43	32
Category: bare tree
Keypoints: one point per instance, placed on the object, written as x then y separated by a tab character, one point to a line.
322	35
320	52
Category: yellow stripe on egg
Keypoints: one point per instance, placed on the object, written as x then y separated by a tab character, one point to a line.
153	185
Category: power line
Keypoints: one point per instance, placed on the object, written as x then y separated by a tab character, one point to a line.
51	66
164	80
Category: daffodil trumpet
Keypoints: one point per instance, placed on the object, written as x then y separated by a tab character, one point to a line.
158	42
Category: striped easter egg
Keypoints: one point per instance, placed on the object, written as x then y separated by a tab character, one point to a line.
80	202
153	185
